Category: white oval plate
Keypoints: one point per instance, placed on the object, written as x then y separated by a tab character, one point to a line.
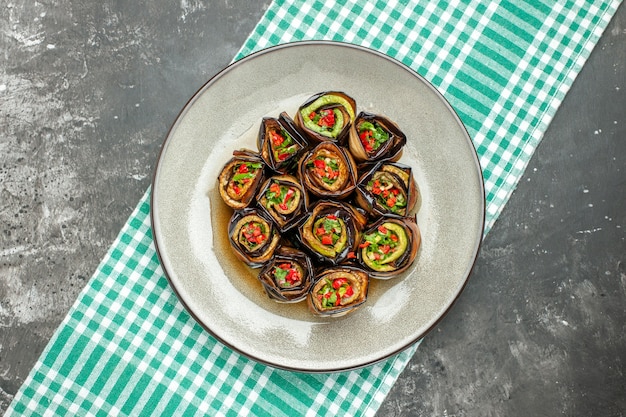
189	219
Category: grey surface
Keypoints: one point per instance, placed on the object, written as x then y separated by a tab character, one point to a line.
87	93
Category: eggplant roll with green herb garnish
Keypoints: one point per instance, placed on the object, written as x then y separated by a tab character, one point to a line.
332	231
327	116
284	199
280	142
338	291
240	179
375	138
288	276
389	187
253	237
389	246
328	171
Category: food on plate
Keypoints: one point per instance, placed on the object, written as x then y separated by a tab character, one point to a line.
331	231
324	205
288	276
327	116
388	187
240	178
389	246
338	291
374	137
253	237
328	171
283	198
280	142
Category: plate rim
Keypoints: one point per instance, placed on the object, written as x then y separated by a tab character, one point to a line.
242	61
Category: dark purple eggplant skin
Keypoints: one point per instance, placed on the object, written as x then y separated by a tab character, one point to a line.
292	294
314	186
285	122
366	200
259	256
354	220
391	150
315	137
361	276
224	178
409	224
285	222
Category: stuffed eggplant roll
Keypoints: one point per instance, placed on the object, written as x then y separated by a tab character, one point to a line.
389	187
332	231
389	246
240	179
288	276
338	291
327	116
253	237
284	199
280	143
328	171
375	138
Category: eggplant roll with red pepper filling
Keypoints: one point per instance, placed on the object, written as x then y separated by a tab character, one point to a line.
389	187
328	170
288	276
389	246
253	237
280	143
283	198
240	179
338	291
332	231
375	138
327	116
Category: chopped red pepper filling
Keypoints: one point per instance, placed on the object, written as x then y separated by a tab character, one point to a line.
282	144
388	195
275	188
367	140
287	275
253	233
334	292
326	168
329	230
243	174
382	245
372	136
277	139
280	195
324	118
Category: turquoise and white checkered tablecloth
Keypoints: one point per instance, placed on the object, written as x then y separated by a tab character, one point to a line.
128	347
